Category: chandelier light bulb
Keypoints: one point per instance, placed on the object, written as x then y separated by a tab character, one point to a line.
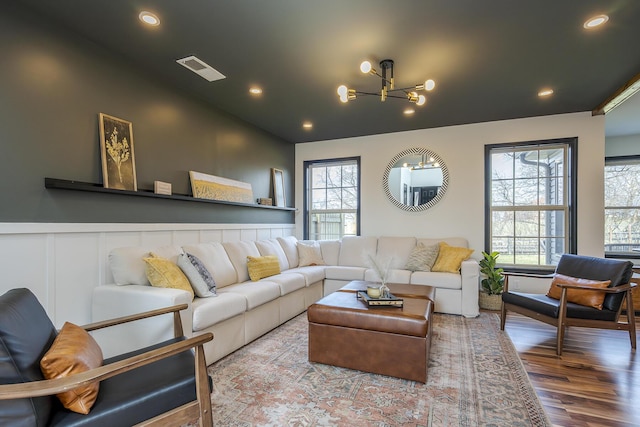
342	91
421	100
365	67
344	98
429	84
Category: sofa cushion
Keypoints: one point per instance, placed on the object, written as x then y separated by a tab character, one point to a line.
422	257
210	311
163	273
452	241
290	249
202	282
579	296
128	267
214	257
397	249
450	258
273	247
344	273
393	276
288	282
312	273
309	254
26	333
354	250
330	251
262	266
238	252
73	351
256	293
437	279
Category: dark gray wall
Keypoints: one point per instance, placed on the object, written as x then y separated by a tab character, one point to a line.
52	87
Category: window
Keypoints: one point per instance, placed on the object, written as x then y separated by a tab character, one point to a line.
622	206
530	207
332	198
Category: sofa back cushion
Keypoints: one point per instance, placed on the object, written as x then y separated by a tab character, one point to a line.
214	257
128	267
451	241
396	249
355	250
273	247
26	333
290	249
330	250
238	253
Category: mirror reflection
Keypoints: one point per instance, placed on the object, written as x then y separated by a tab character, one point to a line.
415	179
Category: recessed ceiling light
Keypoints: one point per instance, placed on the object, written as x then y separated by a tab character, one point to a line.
409	111
149	18
307	125
545	92
595	21
255	90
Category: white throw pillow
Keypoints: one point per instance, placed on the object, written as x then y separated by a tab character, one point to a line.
201	280
309	254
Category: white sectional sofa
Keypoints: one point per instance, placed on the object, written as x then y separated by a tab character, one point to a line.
243	309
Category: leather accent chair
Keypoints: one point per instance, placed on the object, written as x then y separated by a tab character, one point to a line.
562	314
165	384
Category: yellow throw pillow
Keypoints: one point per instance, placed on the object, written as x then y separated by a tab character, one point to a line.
73	351
263	266
162	273
579	296
450	258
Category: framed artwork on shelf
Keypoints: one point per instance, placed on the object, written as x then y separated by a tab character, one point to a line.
277	177
116	151
213	187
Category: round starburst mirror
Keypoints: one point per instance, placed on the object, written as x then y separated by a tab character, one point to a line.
415	179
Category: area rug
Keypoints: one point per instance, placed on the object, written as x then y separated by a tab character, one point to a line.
475	378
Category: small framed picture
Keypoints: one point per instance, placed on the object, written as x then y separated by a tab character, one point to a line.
277	177
116	150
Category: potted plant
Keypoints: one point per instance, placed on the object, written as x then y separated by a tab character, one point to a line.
493	283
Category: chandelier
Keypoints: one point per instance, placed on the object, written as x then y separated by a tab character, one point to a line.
388	89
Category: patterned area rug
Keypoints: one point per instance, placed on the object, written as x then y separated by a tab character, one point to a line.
475	379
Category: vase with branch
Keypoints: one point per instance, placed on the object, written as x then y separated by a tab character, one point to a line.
382	271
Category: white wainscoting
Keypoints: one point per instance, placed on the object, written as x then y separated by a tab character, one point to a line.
62	263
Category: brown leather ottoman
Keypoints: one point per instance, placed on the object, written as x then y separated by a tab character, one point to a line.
392	341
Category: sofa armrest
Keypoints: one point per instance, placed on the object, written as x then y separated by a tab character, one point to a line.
112	301
470	272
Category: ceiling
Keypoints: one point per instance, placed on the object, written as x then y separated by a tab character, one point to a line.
489	58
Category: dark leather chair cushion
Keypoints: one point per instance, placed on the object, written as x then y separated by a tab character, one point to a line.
26	333
138	395
618	271
542	304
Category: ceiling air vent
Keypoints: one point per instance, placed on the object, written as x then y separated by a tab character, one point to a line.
201	68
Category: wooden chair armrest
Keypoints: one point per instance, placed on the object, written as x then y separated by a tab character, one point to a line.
55	386
125	319
614	290
533	275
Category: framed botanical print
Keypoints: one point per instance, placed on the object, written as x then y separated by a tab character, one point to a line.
277	177
116	151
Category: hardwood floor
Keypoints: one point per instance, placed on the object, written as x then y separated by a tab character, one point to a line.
596	381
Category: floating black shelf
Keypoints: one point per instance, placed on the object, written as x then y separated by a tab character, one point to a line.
63	184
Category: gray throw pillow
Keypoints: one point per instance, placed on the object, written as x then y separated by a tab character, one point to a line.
422	257
201	280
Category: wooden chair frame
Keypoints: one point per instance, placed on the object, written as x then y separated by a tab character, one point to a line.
562	321
199	408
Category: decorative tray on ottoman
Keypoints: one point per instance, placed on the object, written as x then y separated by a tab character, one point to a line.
392	301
